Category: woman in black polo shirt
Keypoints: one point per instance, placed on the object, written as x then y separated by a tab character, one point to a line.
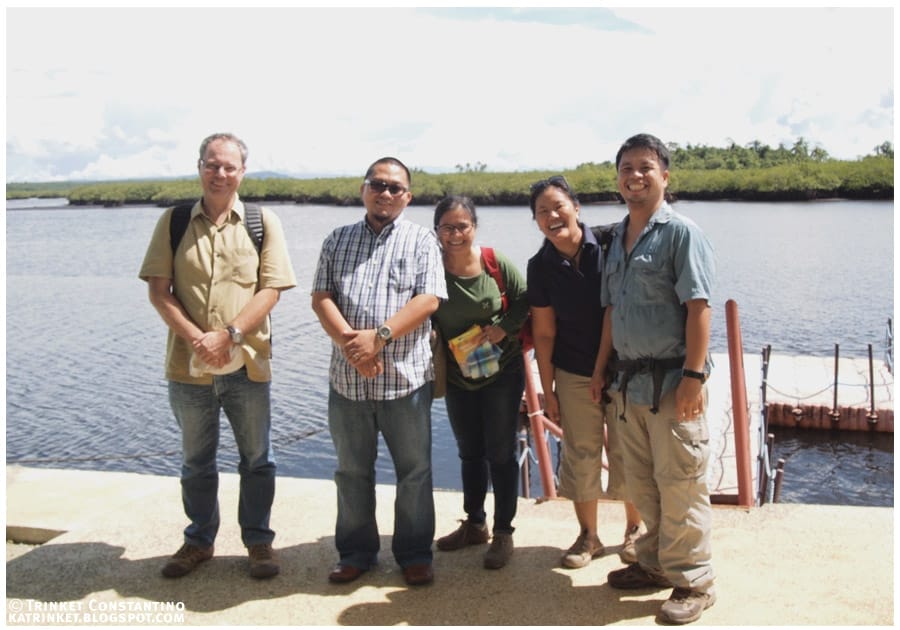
563	282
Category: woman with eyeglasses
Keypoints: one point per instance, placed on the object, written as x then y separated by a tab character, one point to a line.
564	294
483	405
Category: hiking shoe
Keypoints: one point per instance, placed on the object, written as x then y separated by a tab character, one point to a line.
500	551
685	605
628	554
635	576
263	561
468	533
186	560
582	551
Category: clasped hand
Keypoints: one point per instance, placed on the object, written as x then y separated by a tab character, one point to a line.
362	350
213	348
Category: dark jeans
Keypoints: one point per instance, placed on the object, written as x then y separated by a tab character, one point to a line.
486	422
197	409
405	424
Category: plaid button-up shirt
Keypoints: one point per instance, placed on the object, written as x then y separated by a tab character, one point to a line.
370	277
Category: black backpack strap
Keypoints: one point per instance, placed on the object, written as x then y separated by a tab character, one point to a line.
604	235
181	216
254	223
178	223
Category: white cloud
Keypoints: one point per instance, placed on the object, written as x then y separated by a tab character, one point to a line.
131	92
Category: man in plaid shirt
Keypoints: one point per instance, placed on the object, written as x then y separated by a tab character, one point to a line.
376	285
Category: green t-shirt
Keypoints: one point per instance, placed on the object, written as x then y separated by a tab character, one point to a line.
476	300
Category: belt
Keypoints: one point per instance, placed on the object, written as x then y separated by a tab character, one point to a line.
627	368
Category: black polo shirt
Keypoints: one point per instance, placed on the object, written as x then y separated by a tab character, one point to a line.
574	295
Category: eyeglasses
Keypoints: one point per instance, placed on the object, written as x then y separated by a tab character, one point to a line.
449	229
557	180
212	167
379	187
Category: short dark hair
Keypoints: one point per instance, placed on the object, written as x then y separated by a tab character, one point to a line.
557	181
390	160
645	141
230	137
452	202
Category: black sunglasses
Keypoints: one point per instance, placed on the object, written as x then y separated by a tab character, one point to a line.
557	180
379	187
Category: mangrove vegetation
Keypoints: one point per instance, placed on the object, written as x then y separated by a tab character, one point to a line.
754	172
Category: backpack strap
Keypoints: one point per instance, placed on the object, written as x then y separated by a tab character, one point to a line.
604	235
490	263
178	223
181	216
254	224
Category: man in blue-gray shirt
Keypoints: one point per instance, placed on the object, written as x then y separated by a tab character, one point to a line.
657	285
376	285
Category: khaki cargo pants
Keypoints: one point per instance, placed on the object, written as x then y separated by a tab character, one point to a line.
665	474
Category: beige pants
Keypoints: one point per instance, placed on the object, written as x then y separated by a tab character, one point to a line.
583	421
665	470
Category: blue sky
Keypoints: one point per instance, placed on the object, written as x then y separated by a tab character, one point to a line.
106	93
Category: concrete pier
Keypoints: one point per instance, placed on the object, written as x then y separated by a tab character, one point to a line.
776	565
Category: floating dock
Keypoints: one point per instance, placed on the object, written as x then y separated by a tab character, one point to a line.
799	393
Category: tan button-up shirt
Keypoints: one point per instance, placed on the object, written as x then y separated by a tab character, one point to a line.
215	273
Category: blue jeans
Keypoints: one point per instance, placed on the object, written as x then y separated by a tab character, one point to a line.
197	409
405	424
486	423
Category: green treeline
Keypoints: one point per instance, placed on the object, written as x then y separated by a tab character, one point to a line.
755	172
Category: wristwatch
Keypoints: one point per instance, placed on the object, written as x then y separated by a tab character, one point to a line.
700	376
236	335
384	333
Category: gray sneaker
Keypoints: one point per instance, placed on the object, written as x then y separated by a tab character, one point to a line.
582	551
500	551
685	605
628	554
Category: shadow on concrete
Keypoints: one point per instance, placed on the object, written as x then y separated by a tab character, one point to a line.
531	590
73	571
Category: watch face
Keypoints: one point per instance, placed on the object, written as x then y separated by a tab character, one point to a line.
384	332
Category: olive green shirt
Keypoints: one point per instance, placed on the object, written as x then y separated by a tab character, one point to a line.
215	272
477	300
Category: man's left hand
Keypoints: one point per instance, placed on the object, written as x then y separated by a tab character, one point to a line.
689	403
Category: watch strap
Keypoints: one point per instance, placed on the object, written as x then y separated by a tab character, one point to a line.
700	376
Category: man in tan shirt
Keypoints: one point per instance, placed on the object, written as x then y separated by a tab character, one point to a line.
215	293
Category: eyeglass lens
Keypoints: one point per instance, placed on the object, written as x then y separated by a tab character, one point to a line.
462	228
212	167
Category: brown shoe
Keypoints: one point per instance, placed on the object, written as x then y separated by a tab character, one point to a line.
468	533
343	573
186	560
582	551
635	576
500	551
418	574
263	561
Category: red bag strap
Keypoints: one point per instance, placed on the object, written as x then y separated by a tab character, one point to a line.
490	263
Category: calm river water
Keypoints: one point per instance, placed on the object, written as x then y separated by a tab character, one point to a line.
85	348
